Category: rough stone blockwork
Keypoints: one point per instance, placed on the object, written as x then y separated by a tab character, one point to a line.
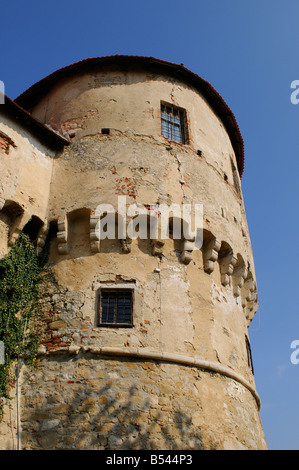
118	404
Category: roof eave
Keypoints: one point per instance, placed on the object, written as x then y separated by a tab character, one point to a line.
33	94
49	136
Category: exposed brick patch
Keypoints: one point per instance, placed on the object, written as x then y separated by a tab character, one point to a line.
6	142
54	342
126	187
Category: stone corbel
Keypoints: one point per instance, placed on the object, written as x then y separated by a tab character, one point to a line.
13	237
158	241
210	255
251	297
250	288
2	202
62	235
157	246
240	275
41	238
251	309
94	233
227	264
249	294
122	233
188	247
126	245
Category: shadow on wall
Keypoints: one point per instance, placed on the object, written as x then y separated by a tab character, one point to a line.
108	417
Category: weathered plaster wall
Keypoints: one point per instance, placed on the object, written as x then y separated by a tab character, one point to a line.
135	158
179	309
25	176
129	101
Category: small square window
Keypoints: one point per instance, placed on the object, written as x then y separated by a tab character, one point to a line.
116	307
173	123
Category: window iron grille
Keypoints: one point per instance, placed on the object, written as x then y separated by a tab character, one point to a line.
173	125
116	307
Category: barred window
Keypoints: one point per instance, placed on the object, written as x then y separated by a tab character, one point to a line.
116	307
173	123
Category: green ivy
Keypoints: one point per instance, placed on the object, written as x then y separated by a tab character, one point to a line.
19	293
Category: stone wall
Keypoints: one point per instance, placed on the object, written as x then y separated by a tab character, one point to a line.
11	419
85	402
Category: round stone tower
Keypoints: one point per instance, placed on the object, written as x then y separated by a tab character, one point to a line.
144	333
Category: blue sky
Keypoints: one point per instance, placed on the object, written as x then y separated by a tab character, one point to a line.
248	50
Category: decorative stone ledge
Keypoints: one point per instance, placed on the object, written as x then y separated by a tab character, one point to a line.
159	356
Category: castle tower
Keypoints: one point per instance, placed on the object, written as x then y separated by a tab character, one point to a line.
144	333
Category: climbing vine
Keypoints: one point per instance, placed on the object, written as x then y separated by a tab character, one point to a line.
19	292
